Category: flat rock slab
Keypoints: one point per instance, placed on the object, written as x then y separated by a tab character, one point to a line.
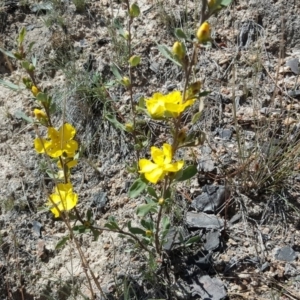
203	220
209	288
286	254
210	200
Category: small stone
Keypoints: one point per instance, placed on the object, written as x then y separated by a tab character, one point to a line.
246	244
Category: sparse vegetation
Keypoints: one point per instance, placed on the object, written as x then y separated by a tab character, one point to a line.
148	151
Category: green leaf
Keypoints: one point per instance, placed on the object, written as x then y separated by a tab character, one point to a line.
89	214
196	117
34	61
30	47
62	242
164	50
79	228
151	192
116	72
192	240
165	226
112	224
165	223
145	209
21	115
225	2
179	33
167	194
7	53
43	98
25	64
147	224
203	94
96	234
135	230
137	188
142	103
10	85
188	173
112	119
21	36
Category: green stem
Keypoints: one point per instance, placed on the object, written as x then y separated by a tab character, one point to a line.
158	245
133	110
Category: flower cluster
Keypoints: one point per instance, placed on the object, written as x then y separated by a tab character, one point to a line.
59	144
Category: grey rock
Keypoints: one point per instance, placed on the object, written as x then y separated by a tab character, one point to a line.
286	254
208	288
206	165
212	240
203	220
210	200
294	65
99	200
225	134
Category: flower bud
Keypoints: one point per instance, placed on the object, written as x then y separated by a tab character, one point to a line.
178	50
161	201
126	81
126	35
129	127
34	90
31	68
40	115
134	11
211	3
203	33
134	60
149	233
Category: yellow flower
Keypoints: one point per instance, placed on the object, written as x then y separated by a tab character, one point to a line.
63	197
170	105
58	142
34	90
203	33
39	114
161	166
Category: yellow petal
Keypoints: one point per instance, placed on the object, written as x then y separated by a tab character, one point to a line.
174	97
53	134
67	132
157	155
64	198
54	151
155	108
146	165
174	167
168	153
40	145
155	175
70	148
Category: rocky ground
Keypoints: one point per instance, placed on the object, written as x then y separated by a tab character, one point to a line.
244	201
